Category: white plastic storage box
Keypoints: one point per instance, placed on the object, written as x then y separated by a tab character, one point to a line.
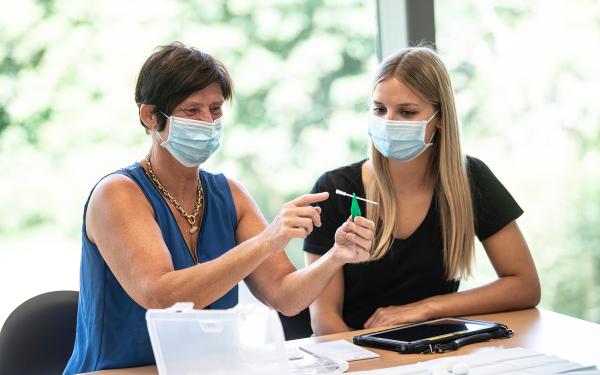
243	340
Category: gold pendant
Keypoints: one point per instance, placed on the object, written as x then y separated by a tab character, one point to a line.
193	229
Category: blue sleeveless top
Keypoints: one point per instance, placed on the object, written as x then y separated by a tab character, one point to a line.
111	327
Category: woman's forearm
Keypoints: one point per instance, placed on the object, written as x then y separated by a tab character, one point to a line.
206	282
326	323
299	289
506	293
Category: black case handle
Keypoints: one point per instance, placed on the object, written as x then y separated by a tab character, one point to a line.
455	344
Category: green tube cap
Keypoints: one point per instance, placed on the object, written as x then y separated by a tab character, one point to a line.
354	209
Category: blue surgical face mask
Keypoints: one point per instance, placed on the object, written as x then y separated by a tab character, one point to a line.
400	140
192	142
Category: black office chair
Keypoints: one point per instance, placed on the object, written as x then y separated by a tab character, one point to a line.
297	326
38	336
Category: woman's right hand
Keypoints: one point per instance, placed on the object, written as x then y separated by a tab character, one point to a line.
296	219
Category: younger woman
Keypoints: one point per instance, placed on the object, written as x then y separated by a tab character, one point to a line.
433	201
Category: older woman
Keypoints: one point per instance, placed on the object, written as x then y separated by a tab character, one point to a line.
164	230
433	201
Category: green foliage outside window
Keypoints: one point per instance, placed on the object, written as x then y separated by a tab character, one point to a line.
526	76
525	73
301	72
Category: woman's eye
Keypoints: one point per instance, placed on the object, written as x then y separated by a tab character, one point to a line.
378	110
190	111
407	113
215	110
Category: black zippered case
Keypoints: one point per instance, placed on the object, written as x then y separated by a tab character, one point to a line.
436	336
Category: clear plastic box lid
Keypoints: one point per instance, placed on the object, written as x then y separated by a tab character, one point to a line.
247	339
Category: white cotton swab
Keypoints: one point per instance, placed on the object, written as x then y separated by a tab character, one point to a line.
338	191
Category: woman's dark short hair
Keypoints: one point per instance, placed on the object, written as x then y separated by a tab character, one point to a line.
174	72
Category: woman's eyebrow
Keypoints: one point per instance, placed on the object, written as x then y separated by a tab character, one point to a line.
198	104
407	104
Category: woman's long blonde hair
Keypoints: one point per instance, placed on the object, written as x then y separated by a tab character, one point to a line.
421	70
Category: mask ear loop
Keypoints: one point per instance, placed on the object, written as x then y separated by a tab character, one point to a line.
432	116
432	136
157	133
434	130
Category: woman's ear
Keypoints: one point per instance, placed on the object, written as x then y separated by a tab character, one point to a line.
148	116
438	120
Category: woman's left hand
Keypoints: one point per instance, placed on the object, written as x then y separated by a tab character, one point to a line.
396	315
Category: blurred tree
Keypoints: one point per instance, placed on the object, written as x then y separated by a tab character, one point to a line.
525	90
13	65
67	73
526	96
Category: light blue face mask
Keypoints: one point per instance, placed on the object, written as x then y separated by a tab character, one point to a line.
192	142
399	140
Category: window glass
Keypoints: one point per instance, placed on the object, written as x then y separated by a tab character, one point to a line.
526	77
68	116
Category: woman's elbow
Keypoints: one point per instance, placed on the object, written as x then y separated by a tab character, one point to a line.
535	294
158	294
319	328
288	310
153	297
284	304
164	299
532	293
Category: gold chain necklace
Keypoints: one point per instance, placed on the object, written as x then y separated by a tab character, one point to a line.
191	218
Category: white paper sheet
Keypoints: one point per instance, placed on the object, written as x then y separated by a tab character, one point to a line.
513	361
339	350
